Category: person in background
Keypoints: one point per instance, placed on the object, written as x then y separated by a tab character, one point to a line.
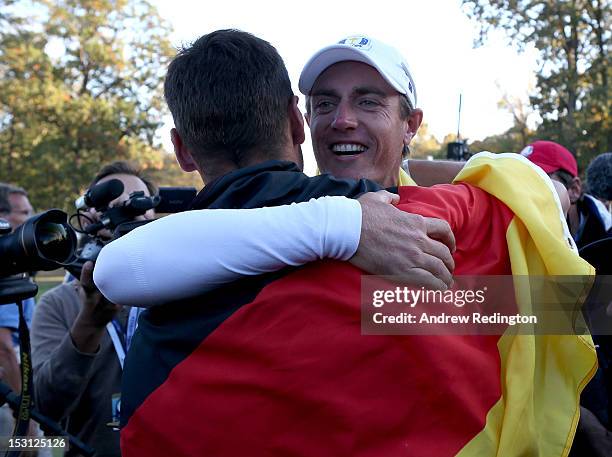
15	207
599	179
588	219
594	435
79	341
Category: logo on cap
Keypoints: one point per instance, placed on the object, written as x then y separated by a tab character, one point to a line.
360	42
527	151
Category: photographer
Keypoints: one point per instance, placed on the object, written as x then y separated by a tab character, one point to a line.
16	209
79	340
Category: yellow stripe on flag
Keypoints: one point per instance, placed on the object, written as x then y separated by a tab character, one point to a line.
405	179
542	375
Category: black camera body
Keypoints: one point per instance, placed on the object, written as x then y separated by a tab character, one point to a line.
43	242
119	219
99	197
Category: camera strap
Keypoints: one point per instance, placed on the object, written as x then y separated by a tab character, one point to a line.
117	342
132	324
116	332
23	415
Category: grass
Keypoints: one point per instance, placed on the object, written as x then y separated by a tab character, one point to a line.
44	284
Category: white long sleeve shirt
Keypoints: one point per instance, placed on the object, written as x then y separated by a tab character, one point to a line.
186	254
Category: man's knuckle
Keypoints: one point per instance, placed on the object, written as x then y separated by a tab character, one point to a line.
412	251
420	220
418	258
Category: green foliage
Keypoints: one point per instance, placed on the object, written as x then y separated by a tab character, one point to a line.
573	95
424	144
509	141
167	173
80	86
516	137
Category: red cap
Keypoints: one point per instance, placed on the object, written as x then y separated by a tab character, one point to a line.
550	157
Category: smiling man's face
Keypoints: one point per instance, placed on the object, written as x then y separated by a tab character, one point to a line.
356	124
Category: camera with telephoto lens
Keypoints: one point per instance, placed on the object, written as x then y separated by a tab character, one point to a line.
118	219
43	242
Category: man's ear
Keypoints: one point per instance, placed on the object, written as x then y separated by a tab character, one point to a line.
574	190
296	121
414	122
182	153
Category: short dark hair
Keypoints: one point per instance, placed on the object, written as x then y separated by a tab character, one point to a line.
599	176
121	167
5	191
228	94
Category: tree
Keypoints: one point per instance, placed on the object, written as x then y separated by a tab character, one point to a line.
516	137
572	36
512	140
169	173
521	113
80	86
424	144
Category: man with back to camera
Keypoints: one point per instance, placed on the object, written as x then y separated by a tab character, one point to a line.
199	369
79	340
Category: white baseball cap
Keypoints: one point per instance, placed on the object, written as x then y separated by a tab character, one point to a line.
386	59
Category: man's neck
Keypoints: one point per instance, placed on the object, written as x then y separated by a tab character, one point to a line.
217	169
210	173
